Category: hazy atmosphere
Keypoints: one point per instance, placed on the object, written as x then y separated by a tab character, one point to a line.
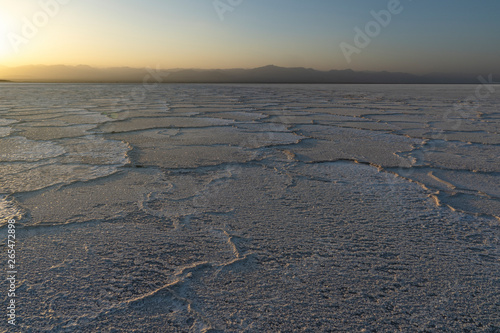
418	37
212	166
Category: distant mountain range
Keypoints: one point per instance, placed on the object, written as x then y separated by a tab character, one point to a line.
267	74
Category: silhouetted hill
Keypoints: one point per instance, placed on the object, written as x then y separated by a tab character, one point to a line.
266	74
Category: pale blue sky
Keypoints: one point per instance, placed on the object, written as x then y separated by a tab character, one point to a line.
427	36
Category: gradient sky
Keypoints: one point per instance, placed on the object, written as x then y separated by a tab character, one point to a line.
460	36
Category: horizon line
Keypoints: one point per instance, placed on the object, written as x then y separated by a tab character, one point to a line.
262	74
242	68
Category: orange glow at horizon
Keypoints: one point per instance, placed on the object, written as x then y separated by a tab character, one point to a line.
192	34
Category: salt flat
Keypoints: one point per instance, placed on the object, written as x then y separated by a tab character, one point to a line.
247	208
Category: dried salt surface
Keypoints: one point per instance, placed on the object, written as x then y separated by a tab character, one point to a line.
17	149
472	203
466	125
191	157
488	183
458	156
333	233
138	124
49	164
468	137
5	131
48	175
94	150
238	116
246	208
333	143
472	137
227	136
8	210
84	118
104	198
55	132
472	192
6	122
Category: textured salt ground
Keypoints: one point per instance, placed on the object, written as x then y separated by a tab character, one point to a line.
455	188
353	144
269	246
244	221
104	198
457	156
164	122
47	133
35	165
